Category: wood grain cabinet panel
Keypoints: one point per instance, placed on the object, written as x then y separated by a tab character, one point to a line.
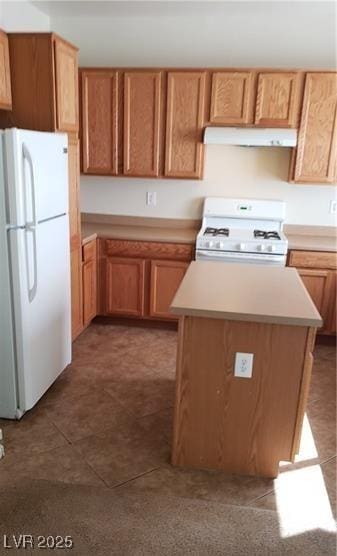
99	122
315	282
44	83
142	123
5	77
76	292
89	277
166	277
315	159
124	286
74	213
184	124
66	70
277	101
231	100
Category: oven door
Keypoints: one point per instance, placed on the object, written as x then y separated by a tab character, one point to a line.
245	258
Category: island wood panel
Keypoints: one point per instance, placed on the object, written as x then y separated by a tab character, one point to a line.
148	249
278	99
166	277
89	276
66	81
124	286
232	97
316	153
100	119
304	391
236	424
143	126
184	124
76	292
5	76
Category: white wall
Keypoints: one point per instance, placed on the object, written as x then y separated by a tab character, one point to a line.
22	16
294	34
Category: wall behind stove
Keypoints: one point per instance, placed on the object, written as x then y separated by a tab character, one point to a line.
277	34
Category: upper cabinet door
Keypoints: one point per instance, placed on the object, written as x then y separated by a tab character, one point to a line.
317	139
5	78
99	122
185	119
277	102
142	123
231	101
66	70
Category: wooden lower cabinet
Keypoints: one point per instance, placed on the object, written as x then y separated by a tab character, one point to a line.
139	278
319	282
124	286
76	292
89	279
166	277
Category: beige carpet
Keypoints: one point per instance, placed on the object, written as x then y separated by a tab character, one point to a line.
103	522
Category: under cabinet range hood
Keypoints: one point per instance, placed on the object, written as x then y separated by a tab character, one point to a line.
250	137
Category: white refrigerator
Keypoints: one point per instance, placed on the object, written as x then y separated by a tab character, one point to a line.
35	313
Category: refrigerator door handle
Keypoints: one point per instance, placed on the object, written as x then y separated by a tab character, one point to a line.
30	228
27	156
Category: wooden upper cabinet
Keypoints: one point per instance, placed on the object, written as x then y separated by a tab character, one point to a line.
278	99
5	77
99	122
232	96
184	124
44	83
66	70
142	123
315	159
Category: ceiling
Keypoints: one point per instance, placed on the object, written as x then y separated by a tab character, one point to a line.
90	8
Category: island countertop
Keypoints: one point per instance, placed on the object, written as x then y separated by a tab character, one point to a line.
258	293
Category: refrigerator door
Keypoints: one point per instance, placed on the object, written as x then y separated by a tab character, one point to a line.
8	390
36	175
40	262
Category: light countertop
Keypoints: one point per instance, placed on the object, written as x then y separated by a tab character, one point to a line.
308	238
257	293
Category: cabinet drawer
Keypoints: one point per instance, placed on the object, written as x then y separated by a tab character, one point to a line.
89	251
147	249
313	259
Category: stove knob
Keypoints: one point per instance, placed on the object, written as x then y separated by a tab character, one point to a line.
271	248
209	244
261	247
241	246
219	245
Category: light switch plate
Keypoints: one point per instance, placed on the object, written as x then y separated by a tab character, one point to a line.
151	198
243	365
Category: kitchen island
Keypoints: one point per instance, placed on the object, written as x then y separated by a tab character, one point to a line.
225	418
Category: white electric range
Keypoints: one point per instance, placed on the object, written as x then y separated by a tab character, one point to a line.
242	230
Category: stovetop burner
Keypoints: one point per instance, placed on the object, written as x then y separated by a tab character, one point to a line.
216	232
266	235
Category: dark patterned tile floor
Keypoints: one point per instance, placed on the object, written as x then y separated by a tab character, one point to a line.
108	420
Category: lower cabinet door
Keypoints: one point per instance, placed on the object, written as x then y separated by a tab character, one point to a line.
166	277
89	291
124	286
76	292
316	282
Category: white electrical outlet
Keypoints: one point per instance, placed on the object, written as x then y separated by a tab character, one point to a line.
243	365
151	198
333	207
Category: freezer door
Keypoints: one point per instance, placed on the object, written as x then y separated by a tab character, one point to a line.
40	263
36	177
